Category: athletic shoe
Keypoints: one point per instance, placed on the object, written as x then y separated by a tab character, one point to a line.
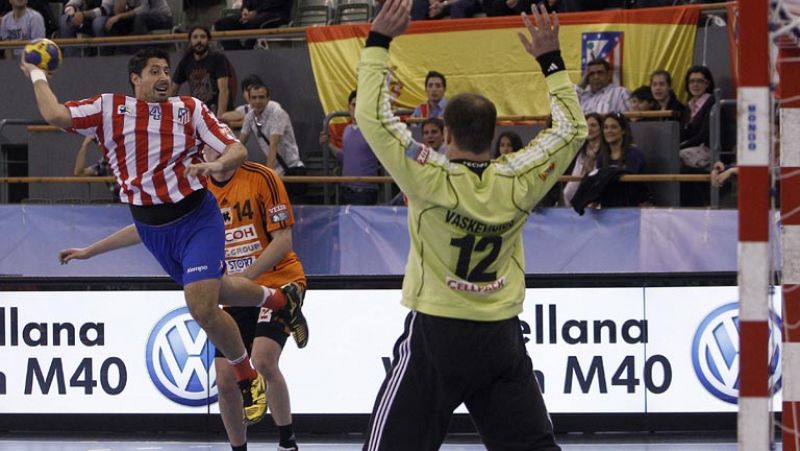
254	399
294	314
281	448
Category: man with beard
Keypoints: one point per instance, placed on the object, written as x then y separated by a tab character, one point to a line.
208	73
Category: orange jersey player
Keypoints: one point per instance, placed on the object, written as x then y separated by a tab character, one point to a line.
258	245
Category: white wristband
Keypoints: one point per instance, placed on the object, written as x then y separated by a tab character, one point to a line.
38	74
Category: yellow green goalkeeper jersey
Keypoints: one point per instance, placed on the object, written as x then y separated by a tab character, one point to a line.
466	259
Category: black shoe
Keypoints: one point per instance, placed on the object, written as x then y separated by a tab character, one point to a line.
294	314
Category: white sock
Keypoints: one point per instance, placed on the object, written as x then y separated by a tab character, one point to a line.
239	360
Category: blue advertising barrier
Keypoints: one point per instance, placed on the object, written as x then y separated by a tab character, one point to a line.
353	240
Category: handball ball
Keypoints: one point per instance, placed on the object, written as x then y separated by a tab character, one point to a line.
44	54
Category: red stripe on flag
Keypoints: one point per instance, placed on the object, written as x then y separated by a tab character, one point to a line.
790	194
678	15
753	358
753	203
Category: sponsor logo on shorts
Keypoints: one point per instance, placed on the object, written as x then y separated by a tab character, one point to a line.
243	250
238	265
180	360
265	315
197	269
239	234
469	287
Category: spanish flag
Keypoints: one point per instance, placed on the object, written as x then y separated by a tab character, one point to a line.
484	55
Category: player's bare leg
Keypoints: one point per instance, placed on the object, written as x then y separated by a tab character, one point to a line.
266	355
202	298
230	400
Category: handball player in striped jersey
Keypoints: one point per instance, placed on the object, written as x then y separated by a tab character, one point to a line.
153	144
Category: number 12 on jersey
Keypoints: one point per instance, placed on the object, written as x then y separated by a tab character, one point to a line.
469	244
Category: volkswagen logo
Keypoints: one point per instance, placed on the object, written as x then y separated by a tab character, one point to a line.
180	360
715	352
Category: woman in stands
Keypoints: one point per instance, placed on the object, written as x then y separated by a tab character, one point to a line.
661	87
586	159
695	135
618	151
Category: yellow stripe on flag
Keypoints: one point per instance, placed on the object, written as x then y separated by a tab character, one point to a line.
485	56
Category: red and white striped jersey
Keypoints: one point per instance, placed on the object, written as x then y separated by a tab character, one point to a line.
150	145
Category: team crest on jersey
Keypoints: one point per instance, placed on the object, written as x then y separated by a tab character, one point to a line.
183	115
122	109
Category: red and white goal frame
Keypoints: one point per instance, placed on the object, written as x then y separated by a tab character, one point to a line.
767	46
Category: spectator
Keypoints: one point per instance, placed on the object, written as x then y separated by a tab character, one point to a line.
202	12
207	71
661	87
84	16
139	17
694	147
618	151
272	126
596	92
642	100
21	23
356	159
40	6
255	14
586	159
99	169
435	87
700	87
507	142
237	116
433	134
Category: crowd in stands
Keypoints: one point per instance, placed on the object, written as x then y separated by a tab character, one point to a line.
32	19
608	152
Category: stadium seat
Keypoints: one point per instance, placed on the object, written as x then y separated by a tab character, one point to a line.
353	11
312	13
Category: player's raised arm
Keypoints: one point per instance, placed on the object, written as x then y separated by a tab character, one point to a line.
127	236
411	164
547	156
51	110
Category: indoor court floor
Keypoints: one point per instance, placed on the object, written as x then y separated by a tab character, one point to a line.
596	442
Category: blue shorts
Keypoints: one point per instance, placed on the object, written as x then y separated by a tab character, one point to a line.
191	248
